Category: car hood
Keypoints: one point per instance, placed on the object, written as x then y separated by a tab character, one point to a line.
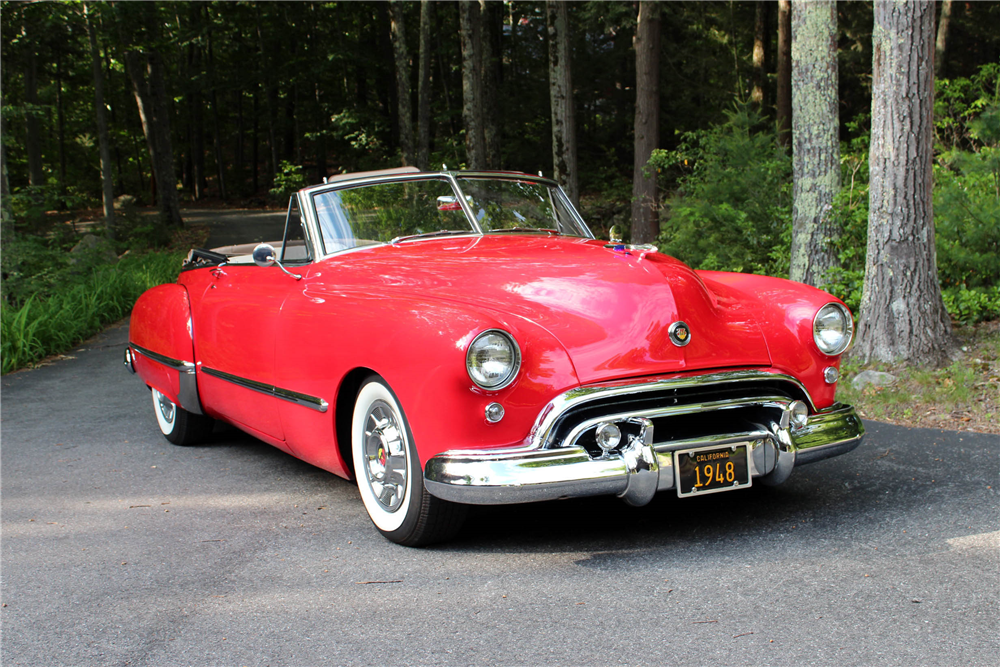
611	310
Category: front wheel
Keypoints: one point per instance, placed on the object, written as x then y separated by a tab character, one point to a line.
389	475
177	424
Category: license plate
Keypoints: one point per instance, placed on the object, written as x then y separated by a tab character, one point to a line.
712	469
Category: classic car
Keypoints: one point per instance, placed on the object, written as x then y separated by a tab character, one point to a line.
459	338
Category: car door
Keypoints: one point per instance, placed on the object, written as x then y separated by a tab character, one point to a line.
235	321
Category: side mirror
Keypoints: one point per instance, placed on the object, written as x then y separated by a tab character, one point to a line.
263	256
615	234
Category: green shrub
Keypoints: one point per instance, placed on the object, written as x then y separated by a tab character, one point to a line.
287	181
733	208
54	321
970	306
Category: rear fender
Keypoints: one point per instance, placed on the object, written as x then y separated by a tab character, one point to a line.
161	339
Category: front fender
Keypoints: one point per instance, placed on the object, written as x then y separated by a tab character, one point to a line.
418	345
785	311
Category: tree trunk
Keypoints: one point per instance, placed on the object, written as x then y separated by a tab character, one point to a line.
107	185
784	102
472	79
424	86
61	128
6	213
816	141
491	12
220	166
561	99
941	44
33	138
146	72
645	219
902	315
760	54
402	60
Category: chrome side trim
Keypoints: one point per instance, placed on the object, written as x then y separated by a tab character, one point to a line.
541	433
187	380
304	400
176	364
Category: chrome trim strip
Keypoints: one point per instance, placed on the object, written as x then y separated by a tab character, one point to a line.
176	364
304	400
541	432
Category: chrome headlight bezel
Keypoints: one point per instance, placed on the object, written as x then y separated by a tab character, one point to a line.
471	358
824	345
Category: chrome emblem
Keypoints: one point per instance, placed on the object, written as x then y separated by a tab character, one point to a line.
680	334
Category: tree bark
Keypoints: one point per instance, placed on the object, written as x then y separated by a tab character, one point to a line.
220	165
784	83
941	44
33	138
491	12
146	72
816	141
757	94
561	100
424	86
6	212
107	184
903	317
472	78
645	219
402	60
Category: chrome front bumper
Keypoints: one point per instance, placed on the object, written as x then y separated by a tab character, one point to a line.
637	471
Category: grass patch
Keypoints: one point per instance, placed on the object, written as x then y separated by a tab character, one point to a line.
53	322
963	396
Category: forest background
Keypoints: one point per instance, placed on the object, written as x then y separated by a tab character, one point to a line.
255	99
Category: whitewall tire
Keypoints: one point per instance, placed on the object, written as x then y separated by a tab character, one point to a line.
390	477
177	424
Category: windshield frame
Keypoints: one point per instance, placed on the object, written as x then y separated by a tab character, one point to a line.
315	232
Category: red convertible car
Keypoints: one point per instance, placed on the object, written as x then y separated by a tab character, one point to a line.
457	338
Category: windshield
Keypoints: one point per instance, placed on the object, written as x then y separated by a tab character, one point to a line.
399	210
513	204
385	211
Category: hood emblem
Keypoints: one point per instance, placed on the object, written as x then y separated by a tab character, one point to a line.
680	334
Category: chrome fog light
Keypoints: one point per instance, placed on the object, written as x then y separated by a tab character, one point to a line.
494	413
608	436
798	413
831	375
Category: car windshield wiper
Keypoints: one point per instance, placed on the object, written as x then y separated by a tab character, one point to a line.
442	232
508	230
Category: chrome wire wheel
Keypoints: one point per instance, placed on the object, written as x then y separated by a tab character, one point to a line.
385	455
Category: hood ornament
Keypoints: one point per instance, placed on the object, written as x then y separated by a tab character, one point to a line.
680	334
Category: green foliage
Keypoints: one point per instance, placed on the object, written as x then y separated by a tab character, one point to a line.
733	209
288	181
52	321
970	306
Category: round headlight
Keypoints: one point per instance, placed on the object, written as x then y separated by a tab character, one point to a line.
493	359
833	328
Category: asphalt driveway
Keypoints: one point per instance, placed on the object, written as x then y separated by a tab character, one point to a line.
121	549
